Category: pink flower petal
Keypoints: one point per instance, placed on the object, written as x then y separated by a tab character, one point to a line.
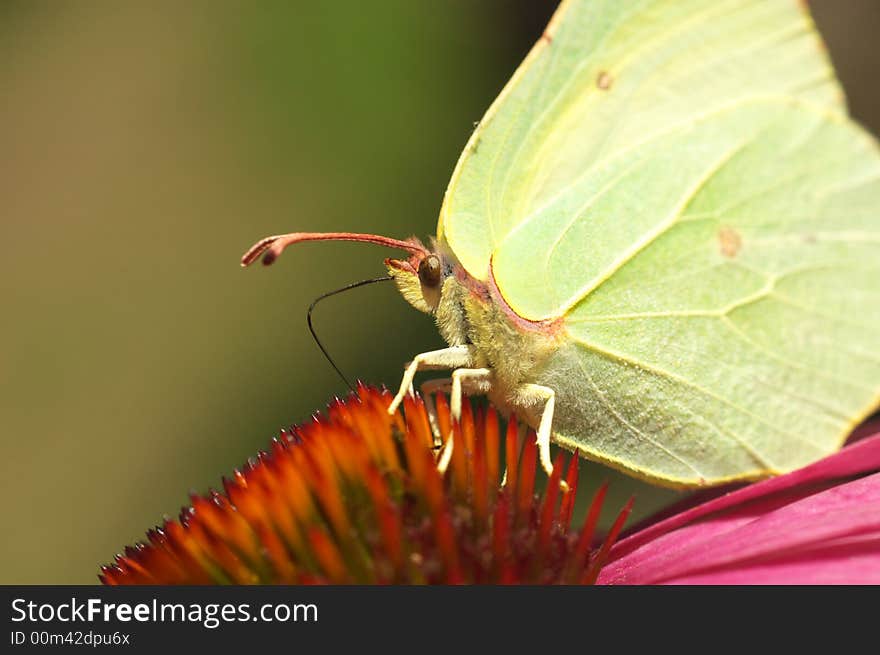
769	531
858	458
842	514
855	562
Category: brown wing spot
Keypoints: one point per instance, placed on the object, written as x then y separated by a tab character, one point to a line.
546	36
730	241
604	80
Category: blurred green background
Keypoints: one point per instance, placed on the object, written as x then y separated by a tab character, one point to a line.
143	147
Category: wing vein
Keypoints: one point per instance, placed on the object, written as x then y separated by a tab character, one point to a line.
631	428
659	372
654	234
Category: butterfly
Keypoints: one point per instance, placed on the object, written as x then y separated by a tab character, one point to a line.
660	246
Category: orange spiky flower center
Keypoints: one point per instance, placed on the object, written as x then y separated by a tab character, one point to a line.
355	497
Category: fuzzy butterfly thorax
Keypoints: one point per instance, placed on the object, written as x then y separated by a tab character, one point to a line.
470	312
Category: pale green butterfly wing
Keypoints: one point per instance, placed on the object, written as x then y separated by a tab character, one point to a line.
665	63
680	183
744	337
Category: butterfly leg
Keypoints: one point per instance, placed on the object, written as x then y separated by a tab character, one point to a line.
473	382
529	394
428	389
477	380
443	385
452	357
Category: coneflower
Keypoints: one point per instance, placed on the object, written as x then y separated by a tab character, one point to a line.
355	496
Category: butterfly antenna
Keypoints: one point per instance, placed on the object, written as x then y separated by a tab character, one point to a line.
347	287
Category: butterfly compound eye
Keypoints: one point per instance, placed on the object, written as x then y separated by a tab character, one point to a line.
430	271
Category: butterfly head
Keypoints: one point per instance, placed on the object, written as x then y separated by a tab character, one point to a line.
419	277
